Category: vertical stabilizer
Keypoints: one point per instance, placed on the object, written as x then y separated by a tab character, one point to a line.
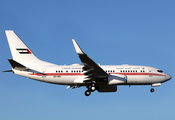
20	52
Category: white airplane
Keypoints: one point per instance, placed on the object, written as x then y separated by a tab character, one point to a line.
103	78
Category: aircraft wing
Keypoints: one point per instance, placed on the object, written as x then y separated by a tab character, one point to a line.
91	70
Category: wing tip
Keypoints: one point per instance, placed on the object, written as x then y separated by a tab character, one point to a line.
77	47
9	31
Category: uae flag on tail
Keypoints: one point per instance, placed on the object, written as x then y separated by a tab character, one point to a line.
23	51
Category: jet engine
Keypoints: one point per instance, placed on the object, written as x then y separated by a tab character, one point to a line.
115	79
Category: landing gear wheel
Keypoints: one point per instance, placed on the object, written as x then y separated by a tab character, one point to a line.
92	89
87	92
152	90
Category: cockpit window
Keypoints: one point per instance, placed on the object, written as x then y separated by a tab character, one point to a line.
160	71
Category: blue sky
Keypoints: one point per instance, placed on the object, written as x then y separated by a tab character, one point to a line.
114	32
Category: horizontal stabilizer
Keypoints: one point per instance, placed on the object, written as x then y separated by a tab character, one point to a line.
8	71
17	66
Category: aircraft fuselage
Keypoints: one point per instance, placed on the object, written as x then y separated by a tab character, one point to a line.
69	74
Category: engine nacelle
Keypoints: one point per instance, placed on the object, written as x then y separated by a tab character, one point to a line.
116	79
112	88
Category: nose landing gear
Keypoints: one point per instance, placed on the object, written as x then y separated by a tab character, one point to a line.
152	90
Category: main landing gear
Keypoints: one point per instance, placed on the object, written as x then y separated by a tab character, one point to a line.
89	90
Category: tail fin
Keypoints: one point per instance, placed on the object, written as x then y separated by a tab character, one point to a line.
20	52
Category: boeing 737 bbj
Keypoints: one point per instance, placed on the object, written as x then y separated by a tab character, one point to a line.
103	78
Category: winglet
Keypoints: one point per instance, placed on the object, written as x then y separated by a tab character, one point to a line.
77	48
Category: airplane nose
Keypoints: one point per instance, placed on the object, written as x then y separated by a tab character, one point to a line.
168	77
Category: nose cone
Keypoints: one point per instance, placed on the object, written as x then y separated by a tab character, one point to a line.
168	77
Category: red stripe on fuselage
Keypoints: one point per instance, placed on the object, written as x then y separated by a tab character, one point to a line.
77	74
